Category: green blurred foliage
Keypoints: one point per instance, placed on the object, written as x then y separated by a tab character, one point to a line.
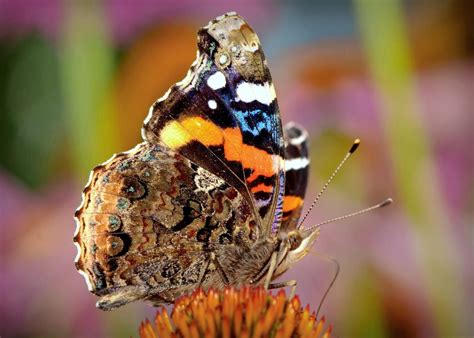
364	315
31	122
393	73
87	66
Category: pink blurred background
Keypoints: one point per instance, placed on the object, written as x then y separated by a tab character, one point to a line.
77	79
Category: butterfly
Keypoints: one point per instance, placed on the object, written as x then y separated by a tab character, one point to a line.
213	194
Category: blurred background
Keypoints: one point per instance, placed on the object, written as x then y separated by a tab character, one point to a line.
77	79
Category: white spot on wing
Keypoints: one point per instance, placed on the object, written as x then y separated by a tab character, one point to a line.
223	59
296	163
216	80
248	92
212	104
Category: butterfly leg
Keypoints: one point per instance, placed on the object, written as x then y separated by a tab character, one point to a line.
203	272
222	273
271	269
291	282
121	297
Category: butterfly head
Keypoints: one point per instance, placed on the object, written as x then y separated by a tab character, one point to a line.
231	43
294	245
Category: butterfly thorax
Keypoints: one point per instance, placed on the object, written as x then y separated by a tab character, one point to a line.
243	265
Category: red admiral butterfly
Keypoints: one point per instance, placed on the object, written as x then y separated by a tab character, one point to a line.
212	196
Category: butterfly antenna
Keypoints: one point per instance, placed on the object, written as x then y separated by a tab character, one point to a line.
353	148
388	201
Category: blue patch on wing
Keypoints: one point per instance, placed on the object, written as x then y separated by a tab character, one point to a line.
255	121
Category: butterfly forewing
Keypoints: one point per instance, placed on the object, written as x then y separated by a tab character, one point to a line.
224	117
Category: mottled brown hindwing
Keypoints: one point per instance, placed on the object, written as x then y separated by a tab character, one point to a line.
149	217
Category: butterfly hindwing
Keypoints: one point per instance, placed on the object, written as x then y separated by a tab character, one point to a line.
297	170
224	117
150	217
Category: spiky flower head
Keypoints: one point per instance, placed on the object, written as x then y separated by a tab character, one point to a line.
246	312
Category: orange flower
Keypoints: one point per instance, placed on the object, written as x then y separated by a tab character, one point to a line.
247	312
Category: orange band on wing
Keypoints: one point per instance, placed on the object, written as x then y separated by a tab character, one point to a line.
233	144
251	157
174	135
203	131
178	134
291	203
262	188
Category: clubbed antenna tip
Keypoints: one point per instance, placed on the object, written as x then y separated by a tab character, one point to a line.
388	201
355	145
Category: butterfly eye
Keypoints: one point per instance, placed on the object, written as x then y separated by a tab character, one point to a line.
294	240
